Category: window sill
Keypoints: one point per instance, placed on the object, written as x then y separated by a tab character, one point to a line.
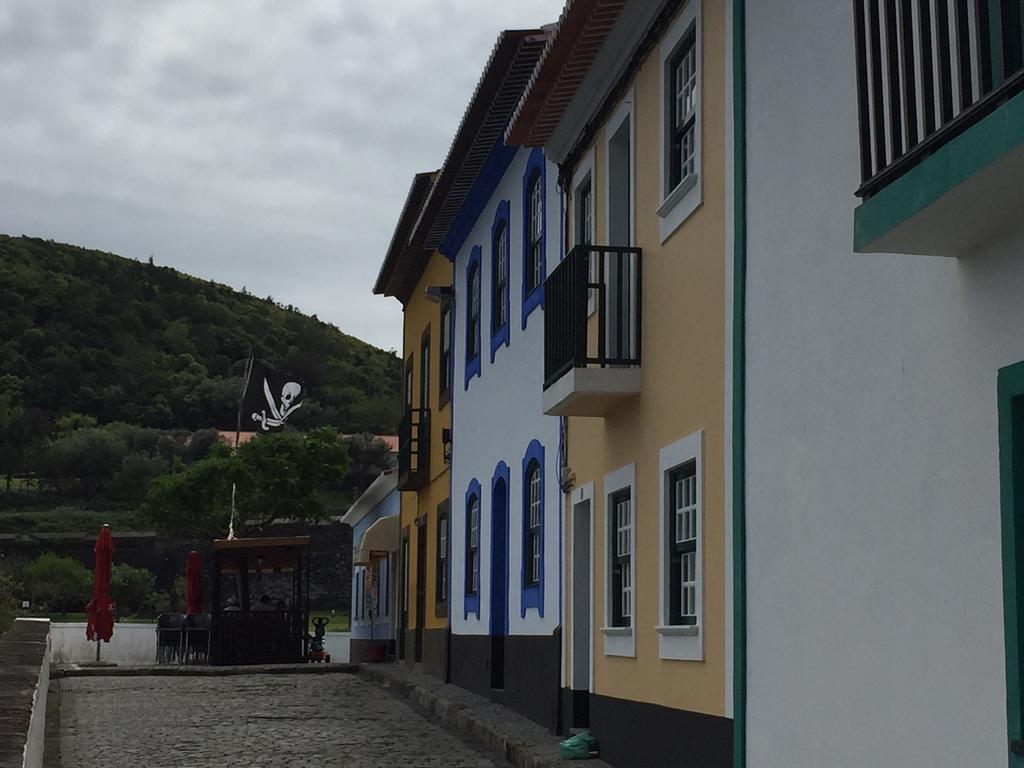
676	195
617	631
678	630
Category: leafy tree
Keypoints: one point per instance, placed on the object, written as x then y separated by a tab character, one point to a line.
122	340
368	457
278	476
8	601
132	588
57	583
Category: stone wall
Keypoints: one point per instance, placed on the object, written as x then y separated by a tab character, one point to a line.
24	680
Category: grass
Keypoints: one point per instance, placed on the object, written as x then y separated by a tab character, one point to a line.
66	518
72	616
340	621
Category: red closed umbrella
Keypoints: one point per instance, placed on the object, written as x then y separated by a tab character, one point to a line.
101	607
193	583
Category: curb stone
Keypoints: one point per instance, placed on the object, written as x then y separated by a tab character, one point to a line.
175	670
539	751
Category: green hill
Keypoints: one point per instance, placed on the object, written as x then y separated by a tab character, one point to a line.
88	332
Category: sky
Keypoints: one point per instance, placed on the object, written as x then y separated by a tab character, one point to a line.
265	144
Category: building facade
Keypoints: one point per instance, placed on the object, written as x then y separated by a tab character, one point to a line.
883	248
409	269
629	101
374	518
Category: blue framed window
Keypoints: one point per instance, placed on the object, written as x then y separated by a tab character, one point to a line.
499	277
534	259
473	315
472	586
533	529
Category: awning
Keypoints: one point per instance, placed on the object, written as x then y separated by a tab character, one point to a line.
379	541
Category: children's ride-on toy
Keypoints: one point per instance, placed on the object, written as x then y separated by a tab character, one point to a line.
316	645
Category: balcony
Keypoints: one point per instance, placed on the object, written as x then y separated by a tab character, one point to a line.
592	331
940	89
414	449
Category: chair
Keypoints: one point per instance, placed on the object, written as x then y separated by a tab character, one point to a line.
169	635
197	638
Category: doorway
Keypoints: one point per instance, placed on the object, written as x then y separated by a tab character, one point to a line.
403	596
1011	481
581	619
421	590
499	582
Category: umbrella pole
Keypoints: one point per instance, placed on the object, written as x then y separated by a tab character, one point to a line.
97	649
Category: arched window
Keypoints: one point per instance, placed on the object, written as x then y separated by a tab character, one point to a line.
535	234
473	315
473	545
499	279
534	516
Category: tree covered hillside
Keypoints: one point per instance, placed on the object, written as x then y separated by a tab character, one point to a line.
92	333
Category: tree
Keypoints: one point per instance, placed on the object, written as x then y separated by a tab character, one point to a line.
132	588
368	457
278	476
57	583
8	603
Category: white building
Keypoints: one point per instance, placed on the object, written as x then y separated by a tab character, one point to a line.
884	404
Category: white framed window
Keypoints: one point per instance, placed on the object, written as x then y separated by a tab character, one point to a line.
499	279
533	524
681	550
536	267
620	563
680	137
473	551
583	218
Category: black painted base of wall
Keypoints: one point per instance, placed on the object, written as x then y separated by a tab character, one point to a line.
532	672
632	734
435	651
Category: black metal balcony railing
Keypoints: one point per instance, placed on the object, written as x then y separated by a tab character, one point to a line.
414	449
605	281
927	70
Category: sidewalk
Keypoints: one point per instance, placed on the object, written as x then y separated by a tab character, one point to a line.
523	742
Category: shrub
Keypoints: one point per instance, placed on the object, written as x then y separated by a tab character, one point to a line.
8	603
131	589
57	583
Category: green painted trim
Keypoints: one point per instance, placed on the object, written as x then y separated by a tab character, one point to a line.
739	384
1011	493
950	165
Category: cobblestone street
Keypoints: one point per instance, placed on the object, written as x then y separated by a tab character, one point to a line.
249	720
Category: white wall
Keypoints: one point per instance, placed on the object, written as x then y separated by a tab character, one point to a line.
875	631
35	740
500	414
136	644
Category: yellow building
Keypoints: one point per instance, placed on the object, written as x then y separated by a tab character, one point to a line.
629	100
408	271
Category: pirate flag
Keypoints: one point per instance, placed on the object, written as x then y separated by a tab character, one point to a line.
270	398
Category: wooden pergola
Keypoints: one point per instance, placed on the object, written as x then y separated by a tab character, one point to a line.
260	628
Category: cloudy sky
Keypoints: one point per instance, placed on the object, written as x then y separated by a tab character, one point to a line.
263	144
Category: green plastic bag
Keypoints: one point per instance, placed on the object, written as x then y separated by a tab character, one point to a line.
578	747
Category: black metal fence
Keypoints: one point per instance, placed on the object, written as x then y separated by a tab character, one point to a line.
414	449
926	71
592	314
259	637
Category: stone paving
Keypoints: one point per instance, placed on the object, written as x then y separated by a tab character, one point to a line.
253	721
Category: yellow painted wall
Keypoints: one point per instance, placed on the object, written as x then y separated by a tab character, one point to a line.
418	314
682	392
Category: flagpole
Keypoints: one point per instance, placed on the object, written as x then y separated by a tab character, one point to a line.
238	438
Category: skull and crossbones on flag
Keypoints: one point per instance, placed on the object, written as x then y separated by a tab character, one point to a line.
271	398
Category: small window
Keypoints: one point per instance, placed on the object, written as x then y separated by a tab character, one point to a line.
585	213
533	523
473	313
683	544
445	364
473	545
621	538
408	383
681	109
441	594
425	369
499	280
535	234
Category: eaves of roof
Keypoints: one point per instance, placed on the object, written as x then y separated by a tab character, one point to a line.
573	43
405	260
498	91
